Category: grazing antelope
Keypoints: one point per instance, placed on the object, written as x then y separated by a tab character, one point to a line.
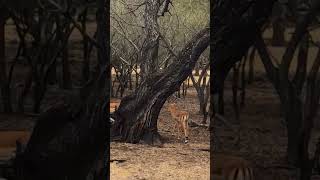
227	167
181	118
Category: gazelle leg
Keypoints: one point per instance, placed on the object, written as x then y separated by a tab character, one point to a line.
185	131
177	129
181	128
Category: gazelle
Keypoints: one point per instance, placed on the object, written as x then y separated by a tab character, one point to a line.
181	118
114	104
228	167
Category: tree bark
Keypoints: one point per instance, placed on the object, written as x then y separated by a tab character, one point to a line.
278	33
4	84
251	66
66	75
150	48
278	26
85	42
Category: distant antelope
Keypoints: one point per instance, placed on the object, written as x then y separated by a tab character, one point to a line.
181	118
228	167
114	104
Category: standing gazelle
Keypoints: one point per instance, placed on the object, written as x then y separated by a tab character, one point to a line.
114	104
181	118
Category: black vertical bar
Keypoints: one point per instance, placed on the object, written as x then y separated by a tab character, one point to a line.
212	109
106	4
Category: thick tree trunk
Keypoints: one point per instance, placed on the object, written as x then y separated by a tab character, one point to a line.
278	25
251	66
136	118
150	48
4	84
298	129
86	62
278	33
243	82
293	115
220	100
235	88
66	75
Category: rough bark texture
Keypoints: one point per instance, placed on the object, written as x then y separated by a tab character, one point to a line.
149	52
278	25
136	118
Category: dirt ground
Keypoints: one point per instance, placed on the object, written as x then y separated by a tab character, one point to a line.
175	160
262	141
262	132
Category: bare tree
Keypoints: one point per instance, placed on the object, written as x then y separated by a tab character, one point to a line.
136	117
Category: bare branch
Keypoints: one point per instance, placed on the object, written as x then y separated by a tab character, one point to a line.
272	71
301	70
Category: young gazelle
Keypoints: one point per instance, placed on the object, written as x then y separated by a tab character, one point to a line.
181	118
114	104
228	167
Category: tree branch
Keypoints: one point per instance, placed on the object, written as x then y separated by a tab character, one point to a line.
272	71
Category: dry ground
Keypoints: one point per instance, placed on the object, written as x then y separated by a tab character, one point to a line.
263	138
175	160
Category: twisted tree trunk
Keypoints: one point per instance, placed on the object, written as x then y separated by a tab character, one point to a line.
136	118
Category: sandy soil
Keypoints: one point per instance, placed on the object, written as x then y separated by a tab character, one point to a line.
175	160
